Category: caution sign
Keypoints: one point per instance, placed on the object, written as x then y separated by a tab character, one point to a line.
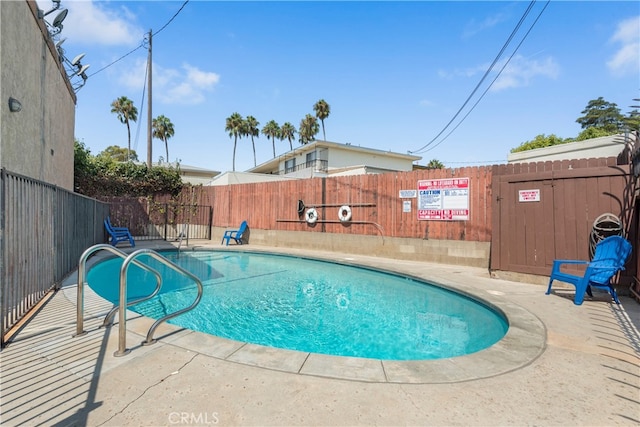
443	199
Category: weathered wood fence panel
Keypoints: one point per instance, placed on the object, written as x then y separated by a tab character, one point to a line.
528	236
374	200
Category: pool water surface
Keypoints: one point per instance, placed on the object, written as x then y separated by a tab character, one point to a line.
309	305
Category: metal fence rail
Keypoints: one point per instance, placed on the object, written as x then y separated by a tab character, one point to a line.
151	220
43	231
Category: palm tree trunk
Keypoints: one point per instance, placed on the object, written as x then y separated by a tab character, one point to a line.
128	142
235	142
166	146
254	153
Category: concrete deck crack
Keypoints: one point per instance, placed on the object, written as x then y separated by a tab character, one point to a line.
188	362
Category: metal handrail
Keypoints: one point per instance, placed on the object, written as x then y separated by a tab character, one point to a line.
82	263
108	319
182	235
122	327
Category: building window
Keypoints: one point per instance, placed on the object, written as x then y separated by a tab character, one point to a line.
289	165
311	156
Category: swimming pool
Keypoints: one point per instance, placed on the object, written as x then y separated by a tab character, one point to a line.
312	306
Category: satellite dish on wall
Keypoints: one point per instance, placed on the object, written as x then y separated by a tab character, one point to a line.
57	22
83	69
77	59
59	43
56	6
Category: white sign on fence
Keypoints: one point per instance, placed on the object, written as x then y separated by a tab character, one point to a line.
529	195
408	194
443	199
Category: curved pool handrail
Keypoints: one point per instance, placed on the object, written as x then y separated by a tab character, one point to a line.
122	318
108	319
82	272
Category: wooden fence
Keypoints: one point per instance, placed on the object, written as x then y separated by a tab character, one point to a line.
374	200
529	235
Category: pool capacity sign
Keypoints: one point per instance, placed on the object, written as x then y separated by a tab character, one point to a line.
443	199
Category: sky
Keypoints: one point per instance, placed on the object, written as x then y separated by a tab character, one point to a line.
460	82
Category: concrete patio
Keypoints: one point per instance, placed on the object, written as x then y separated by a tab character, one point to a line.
560	364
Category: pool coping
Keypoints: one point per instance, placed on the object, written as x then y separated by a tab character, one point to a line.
523	343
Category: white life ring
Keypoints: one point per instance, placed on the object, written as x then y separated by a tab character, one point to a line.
344	213
311	216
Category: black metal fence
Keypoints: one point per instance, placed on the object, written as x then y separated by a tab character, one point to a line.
150	220
43	231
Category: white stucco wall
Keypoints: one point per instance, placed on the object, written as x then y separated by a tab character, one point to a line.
340	157
38	141
230	178
606	146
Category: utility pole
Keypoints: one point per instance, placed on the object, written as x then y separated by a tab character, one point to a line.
149	112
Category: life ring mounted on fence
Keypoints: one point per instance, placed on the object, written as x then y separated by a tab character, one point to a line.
311	216
344	213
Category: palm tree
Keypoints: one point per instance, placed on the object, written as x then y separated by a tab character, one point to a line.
322	110
251	129
287	131
126	112
435	164
234	125
308	129
272	130
163	130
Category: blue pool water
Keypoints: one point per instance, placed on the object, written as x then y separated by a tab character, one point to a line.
311	306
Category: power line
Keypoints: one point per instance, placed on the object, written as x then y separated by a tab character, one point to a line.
497	58
141	45
116	61
492	82
172	18
144	90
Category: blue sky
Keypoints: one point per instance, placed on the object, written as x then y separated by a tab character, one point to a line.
399	76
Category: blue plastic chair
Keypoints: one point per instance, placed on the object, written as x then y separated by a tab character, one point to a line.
118	234
236	235
610	256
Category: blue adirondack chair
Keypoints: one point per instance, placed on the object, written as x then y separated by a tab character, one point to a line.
610	256
236	235
118	234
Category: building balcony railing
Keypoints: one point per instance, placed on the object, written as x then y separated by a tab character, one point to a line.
317	165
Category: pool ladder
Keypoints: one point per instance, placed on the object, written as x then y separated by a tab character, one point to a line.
122	319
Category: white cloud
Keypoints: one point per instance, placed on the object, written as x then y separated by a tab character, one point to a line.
186	85
201	79
626	60
91	23
521	71
133	77
474	27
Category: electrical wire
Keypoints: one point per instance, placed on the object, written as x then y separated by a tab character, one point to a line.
141	45
497	58
172	18
144	90
492	82
116	61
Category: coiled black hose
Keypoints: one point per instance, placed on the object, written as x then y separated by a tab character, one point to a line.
604	226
